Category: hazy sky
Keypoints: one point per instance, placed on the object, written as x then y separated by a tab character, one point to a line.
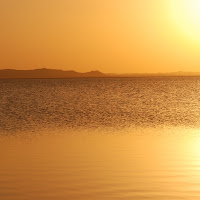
108	35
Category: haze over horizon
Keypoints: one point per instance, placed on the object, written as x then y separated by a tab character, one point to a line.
146	36
95	70
45	73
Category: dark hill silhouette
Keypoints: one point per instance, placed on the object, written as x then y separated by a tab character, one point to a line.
55	73
46	73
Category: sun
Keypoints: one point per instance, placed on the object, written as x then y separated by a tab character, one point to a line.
186	14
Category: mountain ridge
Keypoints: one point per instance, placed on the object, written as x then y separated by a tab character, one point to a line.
57	73
46	73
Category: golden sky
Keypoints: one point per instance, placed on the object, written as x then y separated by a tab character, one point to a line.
109	35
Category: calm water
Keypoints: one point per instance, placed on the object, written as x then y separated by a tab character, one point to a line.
94	139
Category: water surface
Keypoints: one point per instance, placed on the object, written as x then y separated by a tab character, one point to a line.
123	138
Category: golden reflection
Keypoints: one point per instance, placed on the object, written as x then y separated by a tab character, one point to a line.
135	163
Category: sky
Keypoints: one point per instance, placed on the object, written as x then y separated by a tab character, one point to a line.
113	36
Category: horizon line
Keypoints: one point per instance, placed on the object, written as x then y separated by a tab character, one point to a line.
108	73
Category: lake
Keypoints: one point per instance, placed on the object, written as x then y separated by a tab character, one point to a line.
100	138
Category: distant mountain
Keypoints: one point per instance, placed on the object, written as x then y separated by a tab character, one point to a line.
46	73
54	73
180	73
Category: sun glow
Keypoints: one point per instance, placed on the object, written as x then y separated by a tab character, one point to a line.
187	16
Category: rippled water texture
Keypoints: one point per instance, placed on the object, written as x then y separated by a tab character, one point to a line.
123	138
